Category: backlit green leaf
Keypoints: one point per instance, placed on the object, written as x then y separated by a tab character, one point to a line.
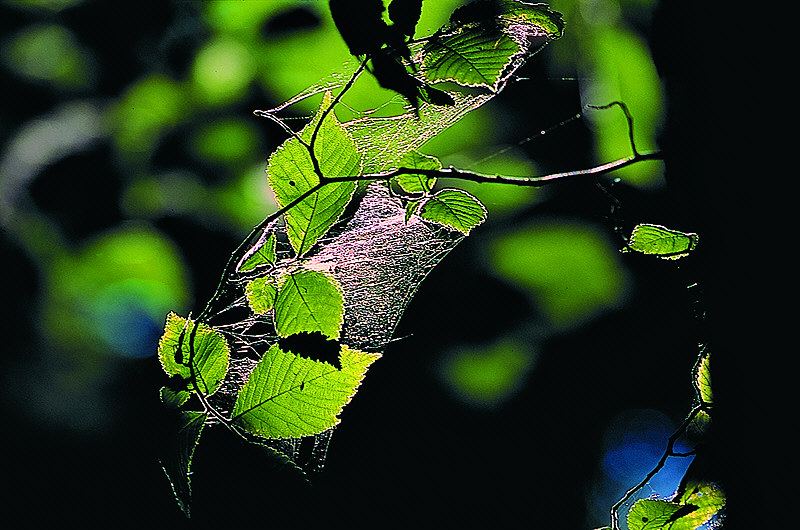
483	40
309	301
261	294
654	514
662	242
195	352
288	396
454	208
415	182
291	173
703	379
262	253
707	498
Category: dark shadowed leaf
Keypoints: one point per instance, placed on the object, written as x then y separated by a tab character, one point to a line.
176	461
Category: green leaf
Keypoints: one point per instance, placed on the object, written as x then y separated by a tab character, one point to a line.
703	380
415	182
177	459
654	514
262	253
309	301
662	242
454	208
707	498
470	57
288	396
261	294
291	173
481	44
185	340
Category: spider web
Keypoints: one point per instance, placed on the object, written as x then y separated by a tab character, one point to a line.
379	259
378	256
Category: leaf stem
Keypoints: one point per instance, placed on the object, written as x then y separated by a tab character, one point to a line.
245	244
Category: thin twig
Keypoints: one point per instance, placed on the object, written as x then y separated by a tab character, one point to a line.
536	181
233	260
628	117
668	452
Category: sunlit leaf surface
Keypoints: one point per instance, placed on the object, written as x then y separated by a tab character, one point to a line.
662	242
454	208
195	352
309	301
289	396
291	173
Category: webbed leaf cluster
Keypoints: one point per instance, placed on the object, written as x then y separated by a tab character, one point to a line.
311	297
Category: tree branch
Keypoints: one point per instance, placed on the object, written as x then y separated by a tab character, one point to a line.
668	452
536	181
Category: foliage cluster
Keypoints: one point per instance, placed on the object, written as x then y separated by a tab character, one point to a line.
271	356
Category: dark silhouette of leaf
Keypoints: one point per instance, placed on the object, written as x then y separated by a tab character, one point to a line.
479	11
314	345
405	15
360	24
392	74
435	96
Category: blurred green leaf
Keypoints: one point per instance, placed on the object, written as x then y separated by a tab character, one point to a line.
487	377
229	141
572	271
149	107
222	71
621	69
49	53
99	294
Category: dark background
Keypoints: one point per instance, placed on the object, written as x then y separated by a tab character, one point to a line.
405	453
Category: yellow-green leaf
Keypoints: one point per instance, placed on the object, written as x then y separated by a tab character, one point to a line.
288	396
